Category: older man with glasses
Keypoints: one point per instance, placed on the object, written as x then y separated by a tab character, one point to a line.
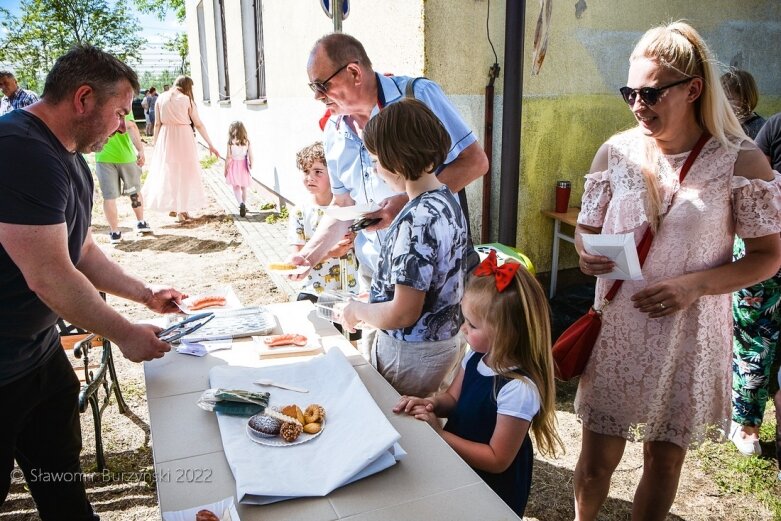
15	98
342	77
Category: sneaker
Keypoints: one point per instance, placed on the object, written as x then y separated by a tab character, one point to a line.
115	237
746	446
242	210
143	228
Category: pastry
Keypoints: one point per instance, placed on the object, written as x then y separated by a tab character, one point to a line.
290	431
294	411
312	428
206	515
265	426
314	414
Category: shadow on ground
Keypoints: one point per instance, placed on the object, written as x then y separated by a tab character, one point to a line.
552	497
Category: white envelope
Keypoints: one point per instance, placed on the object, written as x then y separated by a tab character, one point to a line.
350	213
619	248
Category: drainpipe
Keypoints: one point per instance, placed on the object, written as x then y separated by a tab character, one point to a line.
488	146
511	120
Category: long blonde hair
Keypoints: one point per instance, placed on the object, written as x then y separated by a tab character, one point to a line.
680	48
519	322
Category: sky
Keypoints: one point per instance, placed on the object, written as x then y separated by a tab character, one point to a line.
154	57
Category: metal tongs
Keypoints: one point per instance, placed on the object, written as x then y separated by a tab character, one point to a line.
185	327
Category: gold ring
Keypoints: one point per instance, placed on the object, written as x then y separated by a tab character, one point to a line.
661	305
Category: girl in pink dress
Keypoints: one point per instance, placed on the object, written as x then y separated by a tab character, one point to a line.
238	163
174	183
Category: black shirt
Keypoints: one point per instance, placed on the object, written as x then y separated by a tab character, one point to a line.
41	183
769	140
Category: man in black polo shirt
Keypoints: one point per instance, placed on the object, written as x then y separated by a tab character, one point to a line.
50	267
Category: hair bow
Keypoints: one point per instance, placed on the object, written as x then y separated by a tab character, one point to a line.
504	274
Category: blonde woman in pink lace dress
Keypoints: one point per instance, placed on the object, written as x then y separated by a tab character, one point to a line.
174	183
661	367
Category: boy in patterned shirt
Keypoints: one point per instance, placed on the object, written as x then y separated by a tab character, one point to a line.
416	292
325	276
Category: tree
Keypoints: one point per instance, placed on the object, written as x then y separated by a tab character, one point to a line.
178	43
160	7
46	29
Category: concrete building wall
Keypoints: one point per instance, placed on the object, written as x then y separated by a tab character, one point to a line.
569	108
573	105
288	120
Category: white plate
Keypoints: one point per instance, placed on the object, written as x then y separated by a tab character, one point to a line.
231	301
277	441
350	213
298	270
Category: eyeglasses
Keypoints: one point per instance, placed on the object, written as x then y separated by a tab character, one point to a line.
649	95
322	86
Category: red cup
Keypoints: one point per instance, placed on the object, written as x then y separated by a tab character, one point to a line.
563	189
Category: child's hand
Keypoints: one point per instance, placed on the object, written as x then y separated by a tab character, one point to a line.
413	405
348	315
298	260
431	419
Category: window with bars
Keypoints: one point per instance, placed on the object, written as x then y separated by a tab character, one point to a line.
254	63
223	82
202	52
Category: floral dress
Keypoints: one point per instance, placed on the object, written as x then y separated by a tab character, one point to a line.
757	314
668	378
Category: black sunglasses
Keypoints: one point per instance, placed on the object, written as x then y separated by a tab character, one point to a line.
322	86
649	95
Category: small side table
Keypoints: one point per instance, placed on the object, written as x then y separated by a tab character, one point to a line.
570	218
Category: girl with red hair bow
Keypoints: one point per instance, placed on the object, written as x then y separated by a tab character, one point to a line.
505	384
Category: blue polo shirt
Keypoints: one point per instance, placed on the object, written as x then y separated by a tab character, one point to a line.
349	164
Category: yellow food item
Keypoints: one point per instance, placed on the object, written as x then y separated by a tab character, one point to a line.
280	266
314	414
312	428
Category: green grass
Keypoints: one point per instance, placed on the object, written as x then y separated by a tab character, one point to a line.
267	206
208	162
282	215
735	474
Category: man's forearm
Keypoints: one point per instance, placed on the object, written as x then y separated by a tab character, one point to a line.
470	165
73	298
106	275
328	233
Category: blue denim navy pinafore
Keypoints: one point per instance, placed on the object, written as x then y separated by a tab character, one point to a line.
474	419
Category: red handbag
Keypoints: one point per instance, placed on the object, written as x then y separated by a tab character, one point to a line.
573	348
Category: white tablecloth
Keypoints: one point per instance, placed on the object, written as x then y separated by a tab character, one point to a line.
357	440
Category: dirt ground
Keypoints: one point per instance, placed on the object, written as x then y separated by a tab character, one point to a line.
210	252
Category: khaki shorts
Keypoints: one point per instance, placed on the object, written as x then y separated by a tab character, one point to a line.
414	368
110	174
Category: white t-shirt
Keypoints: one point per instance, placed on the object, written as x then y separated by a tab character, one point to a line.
326	275
517	398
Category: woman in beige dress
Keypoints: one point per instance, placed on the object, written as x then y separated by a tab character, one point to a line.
174	182
660	369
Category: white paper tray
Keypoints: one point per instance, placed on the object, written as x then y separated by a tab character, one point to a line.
236	324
